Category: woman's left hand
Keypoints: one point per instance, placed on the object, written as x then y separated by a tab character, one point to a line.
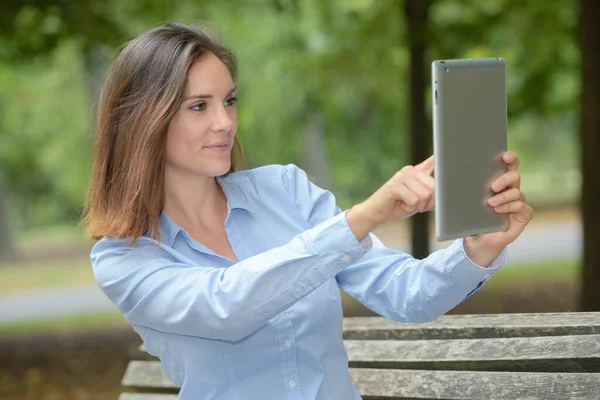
508	200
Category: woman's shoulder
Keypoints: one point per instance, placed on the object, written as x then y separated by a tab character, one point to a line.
277	174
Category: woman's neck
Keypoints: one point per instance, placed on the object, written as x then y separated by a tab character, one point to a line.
194	202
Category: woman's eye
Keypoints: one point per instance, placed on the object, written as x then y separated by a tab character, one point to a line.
230	102
198	107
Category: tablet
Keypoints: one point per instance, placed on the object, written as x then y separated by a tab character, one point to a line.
469	138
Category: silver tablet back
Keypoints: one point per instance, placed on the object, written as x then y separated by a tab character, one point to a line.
470	136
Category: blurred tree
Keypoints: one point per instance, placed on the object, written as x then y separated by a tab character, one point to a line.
338	68
589	32
7	249
417	20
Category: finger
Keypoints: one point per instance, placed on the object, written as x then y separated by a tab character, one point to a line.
509	179
518	222
513	207
424	178
429	183
431	205
507	196
511	159
426	166
422	192
407	197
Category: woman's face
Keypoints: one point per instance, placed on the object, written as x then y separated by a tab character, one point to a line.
200	136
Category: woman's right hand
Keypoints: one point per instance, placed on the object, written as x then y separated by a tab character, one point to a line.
409	191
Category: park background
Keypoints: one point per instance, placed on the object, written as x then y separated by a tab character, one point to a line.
340	88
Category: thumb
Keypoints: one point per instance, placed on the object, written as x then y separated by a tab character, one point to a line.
426	166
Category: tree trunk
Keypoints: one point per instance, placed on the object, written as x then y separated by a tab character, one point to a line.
315	155
97	64
7	249
589	32
416	12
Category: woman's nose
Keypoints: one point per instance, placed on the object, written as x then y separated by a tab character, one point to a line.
222	120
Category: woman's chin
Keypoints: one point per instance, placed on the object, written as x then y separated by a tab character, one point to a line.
220	167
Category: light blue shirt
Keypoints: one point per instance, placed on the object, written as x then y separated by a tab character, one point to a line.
270	326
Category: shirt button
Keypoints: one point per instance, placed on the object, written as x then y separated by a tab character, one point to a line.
301	287
292	384
287	344
346	258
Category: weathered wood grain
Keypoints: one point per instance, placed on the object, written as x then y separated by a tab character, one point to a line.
474	326
419	384
410	384
579	353
144	396
504	356
146	374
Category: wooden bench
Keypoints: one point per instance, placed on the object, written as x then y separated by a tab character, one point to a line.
504	356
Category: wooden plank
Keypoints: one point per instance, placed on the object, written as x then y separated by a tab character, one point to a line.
415	384
143	396
474	326
146	374
419	384
579	353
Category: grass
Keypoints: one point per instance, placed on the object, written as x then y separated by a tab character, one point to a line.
53	256
71	323
42	236
18	277
555	270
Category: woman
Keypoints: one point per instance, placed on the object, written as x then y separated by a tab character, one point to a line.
232	278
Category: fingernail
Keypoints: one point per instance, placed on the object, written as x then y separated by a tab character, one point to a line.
493	201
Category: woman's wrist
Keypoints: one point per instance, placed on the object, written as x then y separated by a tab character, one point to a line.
478	252
360	222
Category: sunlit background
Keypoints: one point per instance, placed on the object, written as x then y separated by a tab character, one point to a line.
322	84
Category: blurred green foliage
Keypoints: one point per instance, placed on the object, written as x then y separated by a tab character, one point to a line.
343	61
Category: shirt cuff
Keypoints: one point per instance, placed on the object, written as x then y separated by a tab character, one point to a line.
499	261
335	243
466	271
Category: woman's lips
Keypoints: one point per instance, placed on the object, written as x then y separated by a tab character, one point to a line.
220	147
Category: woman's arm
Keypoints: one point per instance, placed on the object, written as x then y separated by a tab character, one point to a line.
151	288
402	288
392	283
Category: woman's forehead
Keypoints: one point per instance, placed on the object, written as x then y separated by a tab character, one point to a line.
208	76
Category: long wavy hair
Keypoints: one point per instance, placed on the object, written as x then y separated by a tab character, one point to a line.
142	93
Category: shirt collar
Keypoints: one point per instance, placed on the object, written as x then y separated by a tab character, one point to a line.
235	196
236	199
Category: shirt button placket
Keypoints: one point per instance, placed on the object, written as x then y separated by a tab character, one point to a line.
289	366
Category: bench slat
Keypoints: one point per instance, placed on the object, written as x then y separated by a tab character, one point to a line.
415	384
474	326
143	396
418	384
542	354
146	374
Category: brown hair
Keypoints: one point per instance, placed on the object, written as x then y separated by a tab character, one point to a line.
140	96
